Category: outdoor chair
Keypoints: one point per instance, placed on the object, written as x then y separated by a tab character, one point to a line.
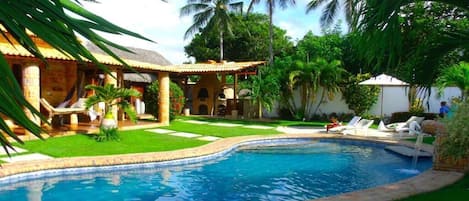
360	128
412	125
350	125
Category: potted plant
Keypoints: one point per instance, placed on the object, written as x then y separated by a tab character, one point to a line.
111	96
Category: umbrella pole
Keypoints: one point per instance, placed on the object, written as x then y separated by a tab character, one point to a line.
382	101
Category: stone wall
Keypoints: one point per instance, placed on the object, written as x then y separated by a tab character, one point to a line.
57	80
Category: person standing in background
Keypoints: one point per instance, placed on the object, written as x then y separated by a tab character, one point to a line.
444	109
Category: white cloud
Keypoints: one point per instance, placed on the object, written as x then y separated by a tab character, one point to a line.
161	23
153	19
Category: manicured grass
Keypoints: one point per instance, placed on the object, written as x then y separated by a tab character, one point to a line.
264	122
218	131
136	141
426	140
455	192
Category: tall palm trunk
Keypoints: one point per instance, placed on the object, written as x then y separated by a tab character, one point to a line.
221	46
271	33
260	109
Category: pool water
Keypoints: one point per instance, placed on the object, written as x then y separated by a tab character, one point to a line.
299	172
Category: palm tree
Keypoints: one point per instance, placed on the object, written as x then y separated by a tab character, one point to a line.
264	91
212	14
304	77
271	4
58	23
330	76
353	9
310	77
457	75
111	96
381	31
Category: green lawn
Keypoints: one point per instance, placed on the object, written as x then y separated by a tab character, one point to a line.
135	141
426	140
218	131
138	141
456	192
264	122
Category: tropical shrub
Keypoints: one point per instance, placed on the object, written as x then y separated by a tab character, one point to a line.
457	75
359	98
456	143
111	96
176	95
265	89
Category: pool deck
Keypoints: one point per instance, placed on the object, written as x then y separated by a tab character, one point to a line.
425	182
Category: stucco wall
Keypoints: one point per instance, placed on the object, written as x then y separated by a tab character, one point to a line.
395	100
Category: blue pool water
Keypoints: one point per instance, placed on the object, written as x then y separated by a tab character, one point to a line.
300	172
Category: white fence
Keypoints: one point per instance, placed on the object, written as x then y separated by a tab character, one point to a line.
395	99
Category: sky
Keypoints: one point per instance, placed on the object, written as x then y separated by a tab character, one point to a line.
160	22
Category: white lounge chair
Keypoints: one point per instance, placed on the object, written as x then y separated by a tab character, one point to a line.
412	125
361	128
350	125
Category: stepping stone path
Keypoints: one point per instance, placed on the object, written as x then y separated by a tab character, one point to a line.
259	127
182	134
11	151
225	124
208	138
26	157
196	122
160	131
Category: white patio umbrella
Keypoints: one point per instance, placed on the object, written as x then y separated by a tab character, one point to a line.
383	80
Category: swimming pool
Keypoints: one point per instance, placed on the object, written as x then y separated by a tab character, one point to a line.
307	170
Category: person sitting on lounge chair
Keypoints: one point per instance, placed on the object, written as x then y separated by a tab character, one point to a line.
334	122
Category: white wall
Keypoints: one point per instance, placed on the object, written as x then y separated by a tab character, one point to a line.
395	100
435	98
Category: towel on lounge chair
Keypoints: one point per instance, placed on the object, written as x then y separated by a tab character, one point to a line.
351	124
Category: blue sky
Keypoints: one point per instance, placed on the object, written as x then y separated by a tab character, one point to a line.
161	23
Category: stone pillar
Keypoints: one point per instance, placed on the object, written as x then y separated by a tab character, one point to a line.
31	89
164	102
112	79
234	112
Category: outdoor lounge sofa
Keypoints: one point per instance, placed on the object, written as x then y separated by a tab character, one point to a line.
72	111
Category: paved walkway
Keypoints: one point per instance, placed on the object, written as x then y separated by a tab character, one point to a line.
22	157
25	157
11	151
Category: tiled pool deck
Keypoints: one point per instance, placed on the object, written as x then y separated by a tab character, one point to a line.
427	181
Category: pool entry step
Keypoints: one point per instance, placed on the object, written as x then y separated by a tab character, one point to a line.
407	151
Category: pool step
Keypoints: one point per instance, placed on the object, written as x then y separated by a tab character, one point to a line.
407	151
